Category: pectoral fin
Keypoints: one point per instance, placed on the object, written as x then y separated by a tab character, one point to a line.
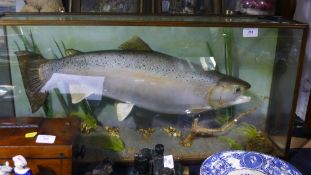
78	92
123	110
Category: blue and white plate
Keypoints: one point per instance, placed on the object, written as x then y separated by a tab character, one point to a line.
246	162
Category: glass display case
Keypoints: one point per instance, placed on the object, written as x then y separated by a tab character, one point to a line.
197	85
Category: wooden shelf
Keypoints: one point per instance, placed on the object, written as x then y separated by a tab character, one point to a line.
53	158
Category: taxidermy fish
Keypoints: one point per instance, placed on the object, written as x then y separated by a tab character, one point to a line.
133	75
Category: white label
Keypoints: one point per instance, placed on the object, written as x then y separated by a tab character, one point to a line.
168	161
250	32
45	139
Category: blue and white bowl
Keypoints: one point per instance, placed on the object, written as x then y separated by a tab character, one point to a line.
246	163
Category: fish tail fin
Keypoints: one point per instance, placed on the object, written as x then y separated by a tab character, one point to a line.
29	64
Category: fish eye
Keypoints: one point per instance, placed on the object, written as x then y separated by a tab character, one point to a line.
238	90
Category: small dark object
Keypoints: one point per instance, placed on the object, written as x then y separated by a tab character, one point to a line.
150	162
146	153
105	167
168	171
159	149
79	151
141	164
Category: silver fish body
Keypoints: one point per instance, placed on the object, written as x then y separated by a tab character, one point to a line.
147	79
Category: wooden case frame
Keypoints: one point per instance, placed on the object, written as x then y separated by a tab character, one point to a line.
68	20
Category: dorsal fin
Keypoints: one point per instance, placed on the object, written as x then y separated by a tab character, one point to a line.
135	43
72	52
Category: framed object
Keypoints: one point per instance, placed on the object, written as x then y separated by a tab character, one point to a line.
111	6
68	5
189	7
31	6
248	7
7	6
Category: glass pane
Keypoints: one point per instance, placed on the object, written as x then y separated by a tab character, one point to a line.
282	93
6	87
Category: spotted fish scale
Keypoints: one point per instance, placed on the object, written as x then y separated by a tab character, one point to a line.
156	63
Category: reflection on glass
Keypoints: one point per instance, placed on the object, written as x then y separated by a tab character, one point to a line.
250	7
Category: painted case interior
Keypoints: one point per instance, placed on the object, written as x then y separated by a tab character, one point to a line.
266	57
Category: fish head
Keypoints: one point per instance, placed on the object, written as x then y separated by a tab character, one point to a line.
228	91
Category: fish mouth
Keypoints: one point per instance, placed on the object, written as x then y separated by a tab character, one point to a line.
241	99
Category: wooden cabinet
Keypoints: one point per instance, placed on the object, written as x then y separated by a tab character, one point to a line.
44	159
